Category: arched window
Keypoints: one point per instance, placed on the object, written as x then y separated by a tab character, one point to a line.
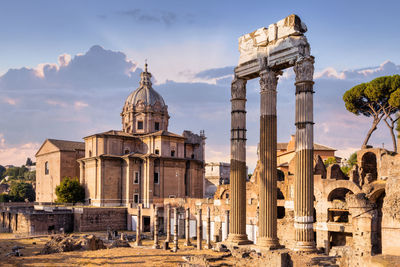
46	167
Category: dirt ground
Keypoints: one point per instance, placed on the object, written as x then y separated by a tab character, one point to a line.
135	256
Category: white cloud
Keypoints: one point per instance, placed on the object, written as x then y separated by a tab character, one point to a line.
80	104
56	103
10	101
17	154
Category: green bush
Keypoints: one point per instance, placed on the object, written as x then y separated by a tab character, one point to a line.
70	191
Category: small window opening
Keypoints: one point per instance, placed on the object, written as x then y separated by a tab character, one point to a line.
192	156
157	152
172	153
156	179
46	167
140	125
136	198
157	126
127	151
136	180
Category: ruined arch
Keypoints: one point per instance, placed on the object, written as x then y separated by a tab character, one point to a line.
368	168
339	194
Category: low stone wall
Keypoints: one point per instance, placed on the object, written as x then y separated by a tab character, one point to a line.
99	219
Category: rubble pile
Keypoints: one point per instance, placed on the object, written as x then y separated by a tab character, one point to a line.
64	243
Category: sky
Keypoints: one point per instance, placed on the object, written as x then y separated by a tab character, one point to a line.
66	67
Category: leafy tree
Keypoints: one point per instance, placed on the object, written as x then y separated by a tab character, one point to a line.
379	99
2	171
16	172
352	160
21	191
329	161
30	175
28	162
70	191
4	197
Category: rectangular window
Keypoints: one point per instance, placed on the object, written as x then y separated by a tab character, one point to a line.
140	125
172	153
136	178
46	167
157	126
157	152
136	198
156	179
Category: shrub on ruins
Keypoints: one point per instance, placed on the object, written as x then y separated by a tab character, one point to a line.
330	161
70	191
378	99
21	191
4	197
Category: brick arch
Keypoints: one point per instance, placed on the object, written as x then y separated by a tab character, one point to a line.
346	184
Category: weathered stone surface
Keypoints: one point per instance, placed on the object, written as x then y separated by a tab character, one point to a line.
62	243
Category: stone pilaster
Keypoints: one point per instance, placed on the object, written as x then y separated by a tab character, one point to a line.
168	223
139	226
208	233
268	175
304	180
175	248
227	221
199	230
187	228
156	246
237	234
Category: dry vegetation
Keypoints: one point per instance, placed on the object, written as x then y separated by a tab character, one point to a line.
143	256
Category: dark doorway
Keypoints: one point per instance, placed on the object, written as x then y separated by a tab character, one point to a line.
146	223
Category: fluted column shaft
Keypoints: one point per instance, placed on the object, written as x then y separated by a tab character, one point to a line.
237	234
208	233
156	228
168	223
187	227
304	181
175	229
268	175
227	221
139	226
199	230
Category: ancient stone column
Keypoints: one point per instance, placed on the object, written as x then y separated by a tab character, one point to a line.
268	175
168	223
304	180
199	230
227	221
139	226
156	246
175	249
208	233
237	234
187	228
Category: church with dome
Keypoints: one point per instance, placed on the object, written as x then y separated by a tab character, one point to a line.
142	163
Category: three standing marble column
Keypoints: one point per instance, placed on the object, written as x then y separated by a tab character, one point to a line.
237	234
268	176
304	181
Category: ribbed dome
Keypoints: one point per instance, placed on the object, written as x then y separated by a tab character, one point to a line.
145	93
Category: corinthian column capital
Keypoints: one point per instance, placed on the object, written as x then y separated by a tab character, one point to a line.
268	80
238	88
304	69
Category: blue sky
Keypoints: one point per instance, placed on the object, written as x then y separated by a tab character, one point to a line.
191	47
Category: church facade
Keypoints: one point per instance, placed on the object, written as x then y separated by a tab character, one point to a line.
143	162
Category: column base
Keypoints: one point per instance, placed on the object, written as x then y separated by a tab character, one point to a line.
238	239
268	243
305	246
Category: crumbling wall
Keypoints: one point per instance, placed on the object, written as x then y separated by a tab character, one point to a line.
391	218
99	219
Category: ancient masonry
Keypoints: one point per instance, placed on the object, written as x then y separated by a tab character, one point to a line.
265	53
